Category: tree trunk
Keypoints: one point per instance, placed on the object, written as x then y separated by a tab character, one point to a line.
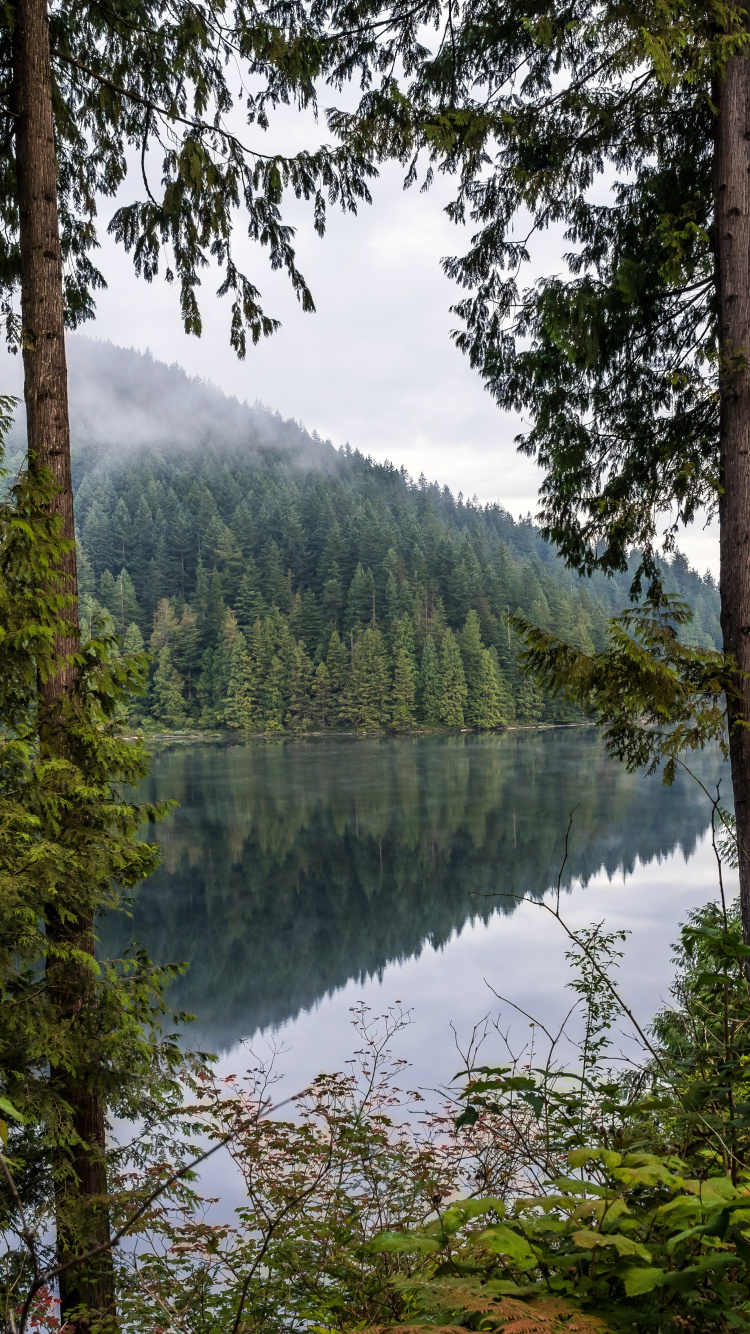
732	249
46	396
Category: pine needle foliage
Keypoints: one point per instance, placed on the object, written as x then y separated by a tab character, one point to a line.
68	851
655	696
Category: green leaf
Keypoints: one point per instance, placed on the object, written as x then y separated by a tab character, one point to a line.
9	1110
404	1243
587	1240
641	1280
502	1240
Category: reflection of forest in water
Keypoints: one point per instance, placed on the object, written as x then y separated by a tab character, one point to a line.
291	868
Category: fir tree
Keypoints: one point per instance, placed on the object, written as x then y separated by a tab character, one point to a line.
321	696
167	703
222	662
404	691
404	675
475	672
367	697
107	594
249	604
121	527
165	625
453	683
430	685
485	710
337	665
300	712
125	603
97	538
238	701
360	602
133	639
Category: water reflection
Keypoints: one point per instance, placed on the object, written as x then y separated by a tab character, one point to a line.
291	869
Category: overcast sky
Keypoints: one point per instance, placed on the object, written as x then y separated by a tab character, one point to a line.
375	366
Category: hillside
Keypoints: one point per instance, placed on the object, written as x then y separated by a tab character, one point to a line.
283	583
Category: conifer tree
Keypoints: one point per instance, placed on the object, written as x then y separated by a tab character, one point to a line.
367	698
321	696
107	594
475	671
430	685
125	607
360	600
300	711
337	665
249	604
452	683
167	703
238	701
333	601
485	711
222	662
165	625
403	714
121	529
405	675
133	639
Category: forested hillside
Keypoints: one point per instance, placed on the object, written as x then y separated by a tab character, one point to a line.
280	582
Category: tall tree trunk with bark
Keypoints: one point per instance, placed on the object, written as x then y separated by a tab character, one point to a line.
82	1223
732	249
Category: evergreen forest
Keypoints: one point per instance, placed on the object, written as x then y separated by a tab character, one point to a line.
281	583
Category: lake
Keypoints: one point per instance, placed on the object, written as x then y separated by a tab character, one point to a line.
301	877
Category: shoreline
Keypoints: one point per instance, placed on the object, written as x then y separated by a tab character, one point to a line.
238	738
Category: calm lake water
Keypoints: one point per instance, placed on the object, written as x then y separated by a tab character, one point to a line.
301	877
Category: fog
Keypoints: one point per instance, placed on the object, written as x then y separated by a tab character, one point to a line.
125	400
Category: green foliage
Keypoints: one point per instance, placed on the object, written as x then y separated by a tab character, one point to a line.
430	683
654	695
649	1230
453	691
168	706
68	850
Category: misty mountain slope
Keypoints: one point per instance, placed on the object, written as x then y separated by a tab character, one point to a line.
123	401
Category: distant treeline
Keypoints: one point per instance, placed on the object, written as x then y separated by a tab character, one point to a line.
310	588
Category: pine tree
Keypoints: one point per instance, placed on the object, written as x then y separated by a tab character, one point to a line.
165	625
215	608
222	662
430	685
237	708
321	695
133	639
125	607
337	665
186	650
167	704
368	694
475	671
300	711
405	675
453	683
404	714
332	601
121	529
97	538
360	600
529	702
249	604
107	595
486	707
